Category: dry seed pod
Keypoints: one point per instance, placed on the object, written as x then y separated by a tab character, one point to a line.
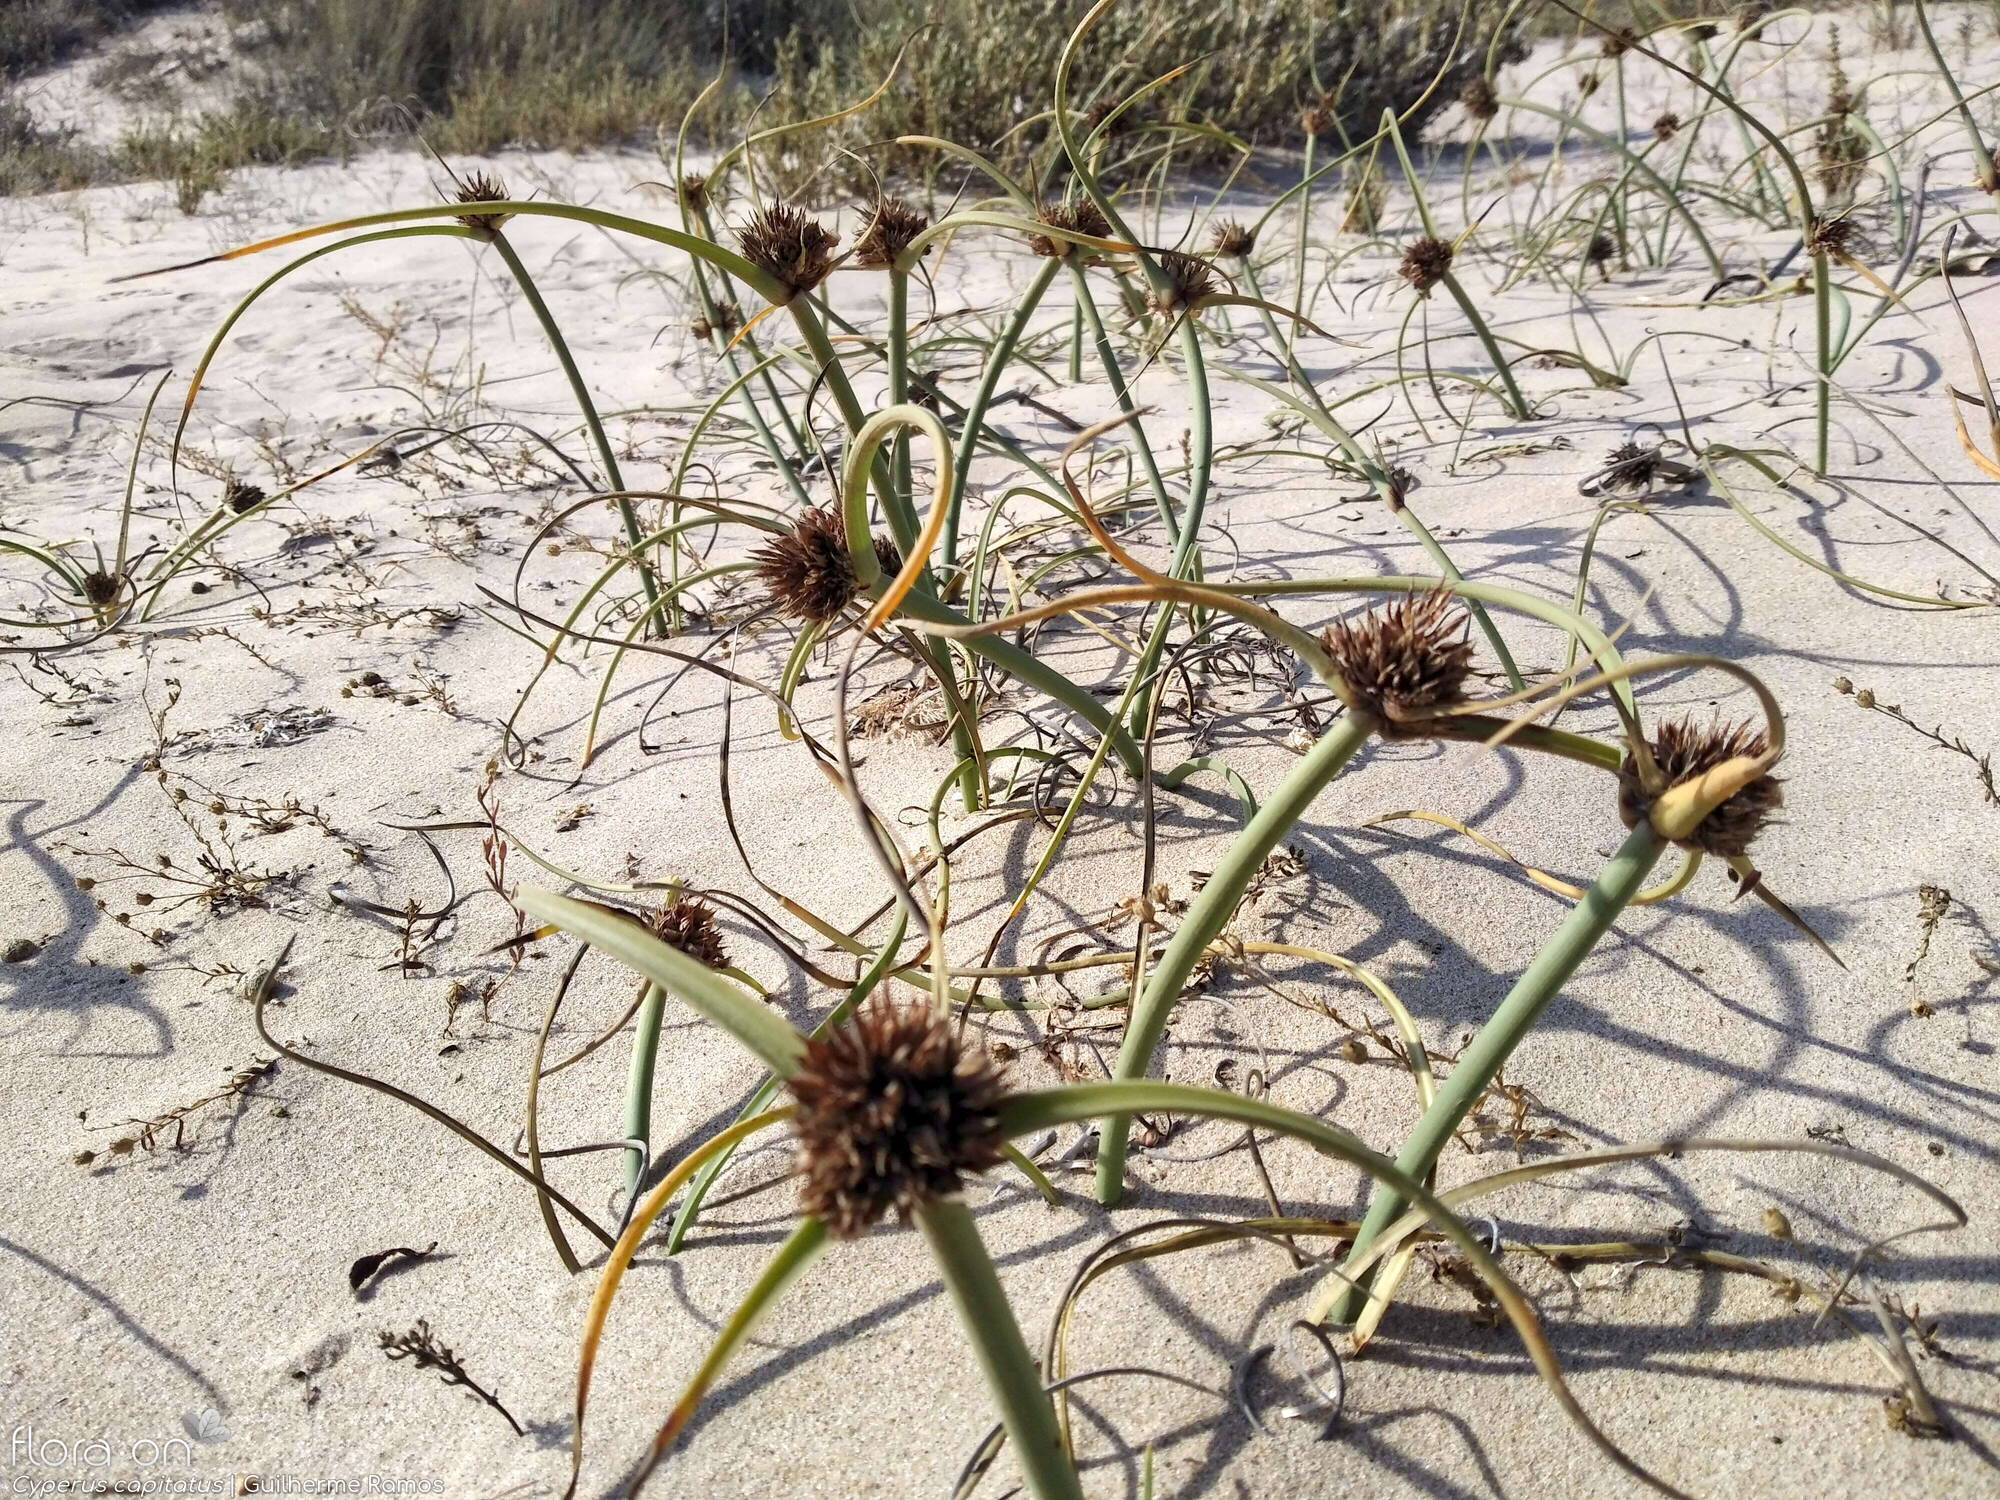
1685	751
1667	126
1405	663
1426	260
790	246
100	587
1189	278
1232	238
480	188
1317	118
689	927
807	571
240	498
694	192
1478	98
1834	237
889	233
1080	217
891	1113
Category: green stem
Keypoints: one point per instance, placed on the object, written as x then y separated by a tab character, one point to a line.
1823	339
1476	1068
1011	1373
639	1082
975	412
1108	357
585	405
1207	918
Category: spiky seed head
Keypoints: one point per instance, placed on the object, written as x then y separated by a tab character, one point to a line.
481	188
1103	110
891	1112
889	233
239	498
1619	42
1587	85
1601	250
808	572
694	192
728	318
1317	118
689	926
923	391
1632	464
100	587
1831	236
1703	31
1082	216
789	245
1478	98
1404	663
1685	750
1233	238
1189	278
1667	126
1426	259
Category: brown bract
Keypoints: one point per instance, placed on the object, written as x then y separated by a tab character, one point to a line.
1080	217
1685	751
808	572
891	1112
889	234
1426	259
480	188
788	245
689	926
1404	663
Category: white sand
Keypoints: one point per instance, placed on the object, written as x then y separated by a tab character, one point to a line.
141	1289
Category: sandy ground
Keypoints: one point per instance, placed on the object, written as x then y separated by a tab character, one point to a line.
208	1274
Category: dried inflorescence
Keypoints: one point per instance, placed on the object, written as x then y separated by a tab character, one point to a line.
1317	118
1404	663
239	498
1619	42
808	572
1601	250
1082	216
1426	261
1478	98
689	926
727	319
889	233
789	245
101	588
694	193
480	188
1831	236
1587	85
1233	238
1684	751
891	1112
1190	280
1667	126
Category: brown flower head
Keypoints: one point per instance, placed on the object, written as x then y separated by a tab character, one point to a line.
1425	262
891	1113
1587	85
1667	126
1103	110
807	571
1684	751
1601	250
694	192
1404	662
789	245
1831	236
728	318
101	588
480	188
689	926
1619	42
240	498
1189	279
1082	216
1703	31
1317	118
1232	238
889	234
1478	98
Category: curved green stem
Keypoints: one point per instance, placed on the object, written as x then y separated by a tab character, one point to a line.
1588	921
